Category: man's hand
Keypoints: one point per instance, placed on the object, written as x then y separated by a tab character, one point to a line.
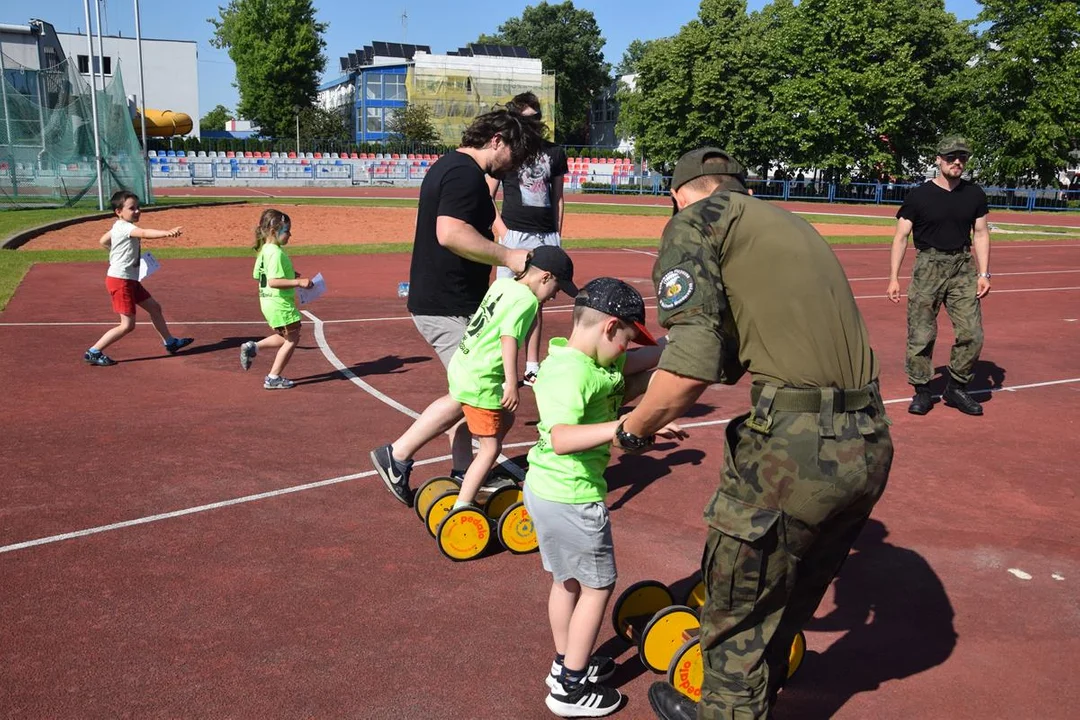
893	291
982	287
304	283
516	259
175	232
510	396
671	431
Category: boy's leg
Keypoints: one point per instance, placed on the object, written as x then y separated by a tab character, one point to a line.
584	626
127	324
437	418
157	316
561	602
271	342
490	447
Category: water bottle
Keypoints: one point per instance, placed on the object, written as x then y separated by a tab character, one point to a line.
403	289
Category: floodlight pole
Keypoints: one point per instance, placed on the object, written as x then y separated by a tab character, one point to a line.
7	115
142	107
93	105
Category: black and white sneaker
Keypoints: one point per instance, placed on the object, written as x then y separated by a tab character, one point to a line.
585	700
529	379
393	472
600	669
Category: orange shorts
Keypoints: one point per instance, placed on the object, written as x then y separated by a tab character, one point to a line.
486	423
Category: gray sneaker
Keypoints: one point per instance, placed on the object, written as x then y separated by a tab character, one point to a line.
98	358
248	351
278	383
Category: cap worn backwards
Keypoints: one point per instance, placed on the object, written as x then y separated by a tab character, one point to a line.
614	297
706	161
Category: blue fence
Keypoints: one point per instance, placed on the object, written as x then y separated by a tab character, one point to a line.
1018	199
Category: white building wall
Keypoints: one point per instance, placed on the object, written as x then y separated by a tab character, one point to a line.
170	70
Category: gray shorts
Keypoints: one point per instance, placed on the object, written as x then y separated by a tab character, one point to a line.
518	240
575	540
442	332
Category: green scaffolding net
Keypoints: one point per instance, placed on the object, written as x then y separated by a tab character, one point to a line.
47	138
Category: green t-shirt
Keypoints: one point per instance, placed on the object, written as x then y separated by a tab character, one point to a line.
476	371
278	304
571	389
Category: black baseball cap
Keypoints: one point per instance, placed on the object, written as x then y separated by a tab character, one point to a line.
706	161
612	296
555	260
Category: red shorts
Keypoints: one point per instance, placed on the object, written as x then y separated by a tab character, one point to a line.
126	294
486	423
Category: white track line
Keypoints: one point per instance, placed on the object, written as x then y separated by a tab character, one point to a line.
369	473
328	353
640	252
398	318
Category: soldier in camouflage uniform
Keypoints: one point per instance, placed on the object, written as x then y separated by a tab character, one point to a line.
743	285
944	214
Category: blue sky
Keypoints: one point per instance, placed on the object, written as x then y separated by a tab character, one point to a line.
437	23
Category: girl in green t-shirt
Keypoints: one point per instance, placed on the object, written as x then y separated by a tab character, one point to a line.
277	297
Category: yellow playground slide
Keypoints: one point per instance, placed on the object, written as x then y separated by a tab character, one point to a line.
163	123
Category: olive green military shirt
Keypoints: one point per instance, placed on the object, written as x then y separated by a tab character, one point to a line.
743	285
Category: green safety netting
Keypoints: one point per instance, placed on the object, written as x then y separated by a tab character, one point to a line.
47	138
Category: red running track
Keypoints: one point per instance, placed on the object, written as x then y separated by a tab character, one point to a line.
333	601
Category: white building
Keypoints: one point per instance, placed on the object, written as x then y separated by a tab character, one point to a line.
170	69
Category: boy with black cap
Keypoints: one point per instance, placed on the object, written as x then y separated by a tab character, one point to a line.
579	389
482	374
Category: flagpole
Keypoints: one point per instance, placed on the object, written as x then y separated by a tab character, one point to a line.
93	105
142	107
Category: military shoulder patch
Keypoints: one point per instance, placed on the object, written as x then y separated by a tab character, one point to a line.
676	287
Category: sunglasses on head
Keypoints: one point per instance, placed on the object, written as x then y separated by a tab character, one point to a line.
954	156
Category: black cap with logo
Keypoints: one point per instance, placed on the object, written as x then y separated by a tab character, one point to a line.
614	297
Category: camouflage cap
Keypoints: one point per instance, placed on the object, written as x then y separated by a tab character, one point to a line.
953	143
706	161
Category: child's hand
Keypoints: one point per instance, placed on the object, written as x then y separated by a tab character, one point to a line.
510	396
671	431
304	283
175	232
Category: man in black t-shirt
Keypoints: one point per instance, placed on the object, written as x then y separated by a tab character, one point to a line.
453	251
948	217
532	213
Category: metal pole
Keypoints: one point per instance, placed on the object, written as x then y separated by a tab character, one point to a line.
7	115
93	106
142	107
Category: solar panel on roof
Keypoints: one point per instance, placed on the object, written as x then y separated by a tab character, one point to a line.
344	63
380	48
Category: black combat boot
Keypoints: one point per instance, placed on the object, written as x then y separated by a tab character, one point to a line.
670	704
956	395
922	402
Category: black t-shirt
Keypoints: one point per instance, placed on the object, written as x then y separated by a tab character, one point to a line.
527	201
942	219
440	282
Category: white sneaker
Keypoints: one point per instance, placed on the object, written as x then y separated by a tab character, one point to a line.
585	700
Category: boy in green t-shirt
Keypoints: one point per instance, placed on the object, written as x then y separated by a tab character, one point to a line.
580	387
482	375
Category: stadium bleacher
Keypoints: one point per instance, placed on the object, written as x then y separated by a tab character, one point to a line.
360	168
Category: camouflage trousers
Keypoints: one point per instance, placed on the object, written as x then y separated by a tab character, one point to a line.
949	279
791	503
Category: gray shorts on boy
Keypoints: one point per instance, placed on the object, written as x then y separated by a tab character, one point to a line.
575	540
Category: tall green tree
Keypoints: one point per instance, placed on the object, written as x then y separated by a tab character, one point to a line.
867	85
413	124
632	56
277	48
705	85
568	41
1023	110
216	118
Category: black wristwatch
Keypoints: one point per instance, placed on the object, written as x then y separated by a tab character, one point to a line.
629	441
